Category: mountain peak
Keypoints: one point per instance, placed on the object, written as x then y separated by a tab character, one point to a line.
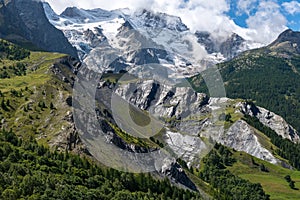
152	19
79	15
288	40
51	15
71	12
289	35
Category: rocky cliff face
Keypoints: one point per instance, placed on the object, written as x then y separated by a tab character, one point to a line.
25	22
228	47
175	172
131	154
242	137
163	100
271	120
67	137
188	116
233	46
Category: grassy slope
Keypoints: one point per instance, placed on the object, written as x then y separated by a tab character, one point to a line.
273	182
24	116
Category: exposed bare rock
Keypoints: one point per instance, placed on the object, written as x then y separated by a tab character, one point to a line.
271	120
229	47
175	172
241	136
188	148
66	137
163	100
180	103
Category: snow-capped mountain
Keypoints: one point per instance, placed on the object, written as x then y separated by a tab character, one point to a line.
153	37
147	19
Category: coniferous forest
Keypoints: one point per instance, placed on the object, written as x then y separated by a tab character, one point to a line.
286	148
271	82
32	171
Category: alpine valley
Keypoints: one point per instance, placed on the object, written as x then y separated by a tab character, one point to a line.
225	110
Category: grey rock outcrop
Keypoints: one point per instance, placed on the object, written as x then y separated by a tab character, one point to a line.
242	137
232	46
229	48
181	105
271	120
163	100
177	174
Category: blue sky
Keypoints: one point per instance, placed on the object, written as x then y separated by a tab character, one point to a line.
292	16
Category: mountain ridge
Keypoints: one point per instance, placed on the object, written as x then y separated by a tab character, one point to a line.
22	22
161	28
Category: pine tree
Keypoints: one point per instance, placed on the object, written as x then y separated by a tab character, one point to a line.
292	184
52	106
8	103
3	105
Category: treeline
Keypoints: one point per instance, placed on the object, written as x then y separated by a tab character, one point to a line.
18	69
270	81
12	52
286	148
227	185
31	171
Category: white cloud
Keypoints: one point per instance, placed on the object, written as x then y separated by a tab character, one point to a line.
199	14
292	7
268	22
246	6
